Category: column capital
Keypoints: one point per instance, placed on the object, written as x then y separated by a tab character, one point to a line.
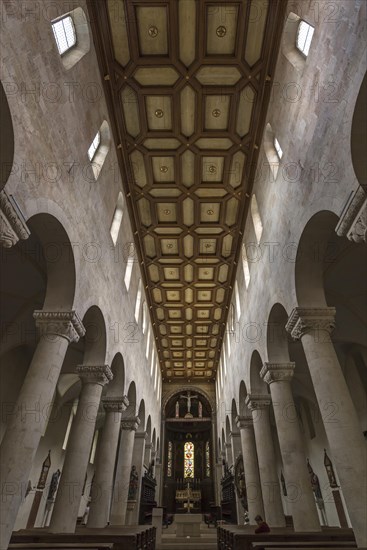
244	422
233	435
256	402
303	320
115	404
277	372
149	445
12	223
61	323
94	374
130	424
141	435
353	220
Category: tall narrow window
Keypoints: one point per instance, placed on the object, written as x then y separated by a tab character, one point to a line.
129	265
145	317
94	146
245	265
304	37
237	297
278	148
256	218
148	344
64	33
138	301
152	362
189	458
207	459
117	218
169	459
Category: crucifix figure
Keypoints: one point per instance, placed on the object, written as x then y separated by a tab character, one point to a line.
189	397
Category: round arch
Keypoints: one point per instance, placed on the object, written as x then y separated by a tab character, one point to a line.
358	138
6	139
116	388
277	337
193	389
257	385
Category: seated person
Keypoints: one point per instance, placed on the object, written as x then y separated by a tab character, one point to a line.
263	526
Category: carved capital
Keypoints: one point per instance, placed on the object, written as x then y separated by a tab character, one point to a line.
277	372
94	374
353	220
60	323
244	422
115	404
131	424
141	435
12	223
149	445
256	402
233	435
305	320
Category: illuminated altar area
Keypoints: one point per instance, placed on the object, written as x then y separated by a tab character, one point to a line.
188	460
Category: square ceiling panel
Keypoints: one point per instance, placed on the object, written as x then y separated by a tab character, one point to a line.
186	78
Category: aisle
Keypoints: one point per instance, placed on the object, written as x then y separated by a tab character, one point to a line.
207	540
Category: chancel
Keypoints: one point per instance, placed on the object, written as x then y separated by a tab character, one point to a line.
183	235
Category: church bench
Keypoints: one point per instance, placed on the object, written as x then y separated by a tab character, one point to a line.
120	538
60	546
231	538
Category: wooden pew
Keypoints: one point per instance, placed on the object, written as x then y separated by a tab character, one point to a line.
237	538
120	538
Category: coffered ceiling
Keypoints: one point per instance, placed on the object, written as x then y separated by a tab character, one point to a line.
188	83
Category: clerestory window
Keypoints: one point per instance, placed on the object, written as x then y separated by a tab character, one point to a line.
64	33
304	37
94	146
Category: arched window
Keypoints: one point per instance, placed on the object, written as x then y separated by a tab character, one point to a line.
256	218
278	148
117	218
71	35
304	37
138	301
129	265
189	458
152	362
245	265
148	344
145	317
64	33
237	298
273	151
297	37
98	149
232	319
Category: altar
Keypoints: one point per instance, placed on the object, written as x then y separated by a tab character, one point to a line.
188	525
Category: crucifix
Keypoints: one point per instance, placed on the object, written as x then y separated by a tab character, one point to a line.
189	397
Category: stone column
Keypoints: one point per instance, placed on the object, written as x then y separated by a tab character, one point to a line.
299	490
252	477
123	468
313	326
158	477
138	461
101	494
12	223
148	453
65	512
273	508
229	454
236	451
29	417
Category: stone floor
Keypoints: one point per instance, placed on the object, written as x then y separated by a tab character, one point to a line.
207	540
